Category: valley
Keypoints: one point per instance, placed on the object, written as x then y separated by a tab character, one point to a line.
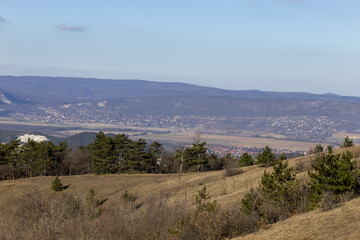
171	111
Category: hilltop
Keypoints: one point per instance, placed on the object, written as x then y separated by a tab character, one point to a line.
151	189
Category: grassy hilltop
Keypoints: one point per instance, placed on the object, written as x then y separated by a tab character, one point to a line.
31	210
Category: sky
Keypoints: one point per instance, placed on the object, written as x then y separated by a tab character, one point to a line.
272	45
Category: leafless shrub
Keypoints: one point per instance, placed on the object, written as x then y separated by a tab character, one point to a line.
232	168
330	200
300	166
301	198
356	152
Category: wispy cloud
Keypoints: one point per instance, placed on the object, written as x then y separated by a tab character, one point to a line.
2	20
65	27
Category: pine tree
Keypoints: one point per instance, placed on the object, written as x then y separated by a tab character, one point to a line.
196	155
104	153
155	150
318	148
246	160
335	173
135	157
91	198
251	203
266	158
347	142
202	201
56	185
279	185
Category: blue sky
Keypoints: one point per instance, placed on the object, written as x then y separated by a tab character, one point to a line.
272	45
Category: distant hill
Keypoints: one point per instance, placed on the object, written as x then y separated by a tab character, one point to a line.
8	135
66	88
177	107
80	139
76	140
11	98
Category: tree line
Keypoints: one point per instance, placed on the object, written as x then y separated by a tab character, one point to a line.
106	154
117	154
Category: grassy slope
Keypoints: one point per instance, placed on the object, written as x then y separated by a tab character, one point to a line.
339	223
111	187
229	190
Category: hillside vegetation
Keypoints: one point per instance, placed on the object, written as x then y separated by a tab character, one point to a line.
159	206
339	223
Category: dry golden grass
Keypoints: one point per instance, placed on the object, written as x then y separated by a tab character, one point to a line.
340	223
233	141
145	186
336	224
342	135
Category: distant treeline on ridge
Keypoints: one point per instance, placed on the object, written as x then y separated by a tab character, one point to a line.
107	154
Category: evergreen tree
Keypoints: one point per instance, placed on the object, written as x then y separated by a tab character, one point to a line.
251	203
202	201
196	155
37	157
335	173
56	185
155	150
3	148
282	157
104	154
266	158
91	198
347	142
246	160
60	153
279	185
318	148
122	144
12	156
46	157
134	159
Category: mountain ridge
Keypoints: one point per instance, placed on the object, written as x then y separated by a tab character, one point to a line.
71	88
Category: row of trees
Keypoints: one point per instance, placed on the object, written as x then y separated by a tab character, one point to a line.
119	154
105	155
31	159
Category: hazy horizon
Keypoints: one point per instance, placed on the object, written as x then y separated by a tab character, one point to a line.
269	45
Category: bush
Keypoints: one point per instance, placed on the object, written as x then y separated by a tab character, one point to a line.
232	168
252	202
208	221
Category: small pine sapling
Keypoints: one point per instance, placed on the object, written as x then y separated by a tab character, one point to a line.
56	185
